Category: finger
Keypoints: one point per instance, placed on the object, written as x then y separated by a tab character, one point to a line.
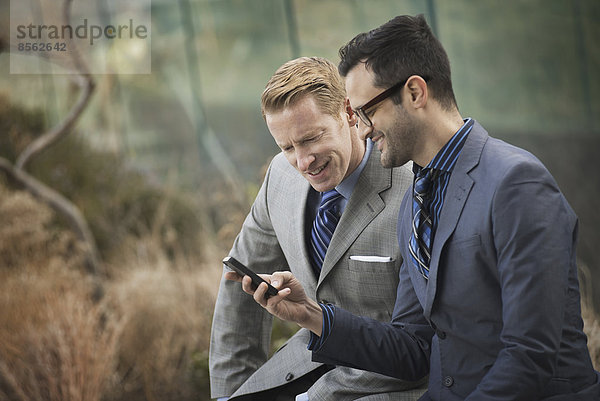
233	276
281	295
278	279
266	277
272	302
247	285
259	295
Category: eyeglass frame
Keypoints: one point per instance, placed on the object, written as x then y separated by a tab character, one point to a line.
361	111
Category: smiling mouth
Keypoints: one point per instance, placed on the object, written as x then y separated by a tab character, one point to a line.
318	171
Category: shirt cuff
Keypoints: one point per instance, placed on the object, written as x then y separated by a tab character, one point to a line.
328	317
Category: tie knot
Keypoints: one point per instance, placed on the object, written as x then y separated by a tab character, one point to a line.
423	181
329	199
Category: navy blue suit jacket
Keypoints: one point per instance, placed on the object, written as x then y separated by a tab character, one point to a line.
500	316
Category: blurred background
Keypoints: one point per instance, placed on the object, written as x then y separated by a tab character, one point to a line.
164	167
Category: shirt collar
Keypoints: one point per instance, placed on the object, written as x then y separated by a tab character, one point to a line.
346	187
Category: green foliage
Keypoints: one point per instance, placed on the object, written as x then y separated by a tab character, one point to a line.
117	200
281	332
200	374
18	127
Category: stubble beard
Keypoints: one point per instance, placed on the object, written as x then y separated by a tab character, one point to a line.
400	141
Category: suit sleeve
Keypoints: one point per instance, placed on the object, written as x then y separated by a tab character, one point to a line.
534	235
400	348
241	329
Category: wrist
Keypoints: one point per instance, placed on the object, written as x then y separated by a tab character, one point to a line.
313	320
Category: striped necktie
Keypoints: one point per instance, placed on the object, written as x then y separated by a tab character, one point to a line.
323	227
420	240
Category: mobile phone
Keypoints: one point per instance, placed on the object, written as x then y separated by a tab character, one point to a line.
242	270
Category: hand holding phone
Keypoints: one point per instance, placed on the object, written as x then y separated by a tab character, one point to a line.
242	270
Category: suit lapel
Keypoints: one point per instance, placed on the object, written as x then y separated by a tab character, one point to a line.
297	231
456	196
362	207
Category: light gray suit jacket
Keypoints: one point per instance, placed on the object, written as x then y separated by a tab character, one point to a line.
273	237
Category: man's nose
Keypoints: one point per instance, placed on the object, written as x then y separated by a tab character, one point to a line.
364	131
304	158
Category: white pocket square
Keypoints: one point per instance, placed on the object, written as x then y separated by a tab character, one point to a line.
367	258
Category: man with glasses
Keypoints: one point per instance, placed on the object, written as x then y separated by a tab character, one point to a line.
326	211
488	301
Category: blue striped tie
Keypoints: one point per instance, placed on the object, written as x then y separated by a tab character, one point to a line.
420	240
324	225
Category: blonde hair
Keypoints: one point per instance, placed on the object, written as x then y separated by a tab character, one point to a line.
302	77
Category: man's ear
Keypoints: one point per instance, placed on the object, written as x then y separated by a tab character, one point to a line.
350	114
418	91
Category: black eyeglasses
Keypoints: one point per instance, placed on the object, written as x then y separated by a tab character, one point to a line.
362	111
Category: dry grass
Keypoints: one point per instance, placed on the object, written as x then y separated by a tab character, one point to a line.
592	329
147	339
28	238
167	326
590	317
55	342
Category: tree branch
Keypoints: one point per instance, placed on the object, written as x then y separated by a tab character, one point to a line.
44	141
55	200
64	127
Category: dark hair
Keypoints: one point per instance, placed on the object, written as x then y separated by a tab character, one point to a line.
402	47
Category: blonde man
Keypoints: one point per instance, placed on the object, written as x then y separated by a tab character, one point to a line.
353	262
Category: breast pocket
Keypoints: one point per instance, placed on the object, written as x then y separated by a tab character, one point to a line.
465	242
375	285
362	266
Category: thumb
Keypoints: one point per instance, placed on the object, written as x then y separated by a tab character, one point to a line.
272	302
280	278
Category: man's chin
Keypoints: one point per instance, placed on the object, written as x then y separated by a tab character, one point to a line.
321	186
385	162
390	162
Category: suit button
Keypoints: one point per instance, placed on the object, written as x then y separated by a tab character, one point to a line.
448	381
289	377
441	334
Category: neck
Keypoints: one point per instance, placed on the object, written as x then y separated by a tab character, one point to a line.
358	151
438	132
